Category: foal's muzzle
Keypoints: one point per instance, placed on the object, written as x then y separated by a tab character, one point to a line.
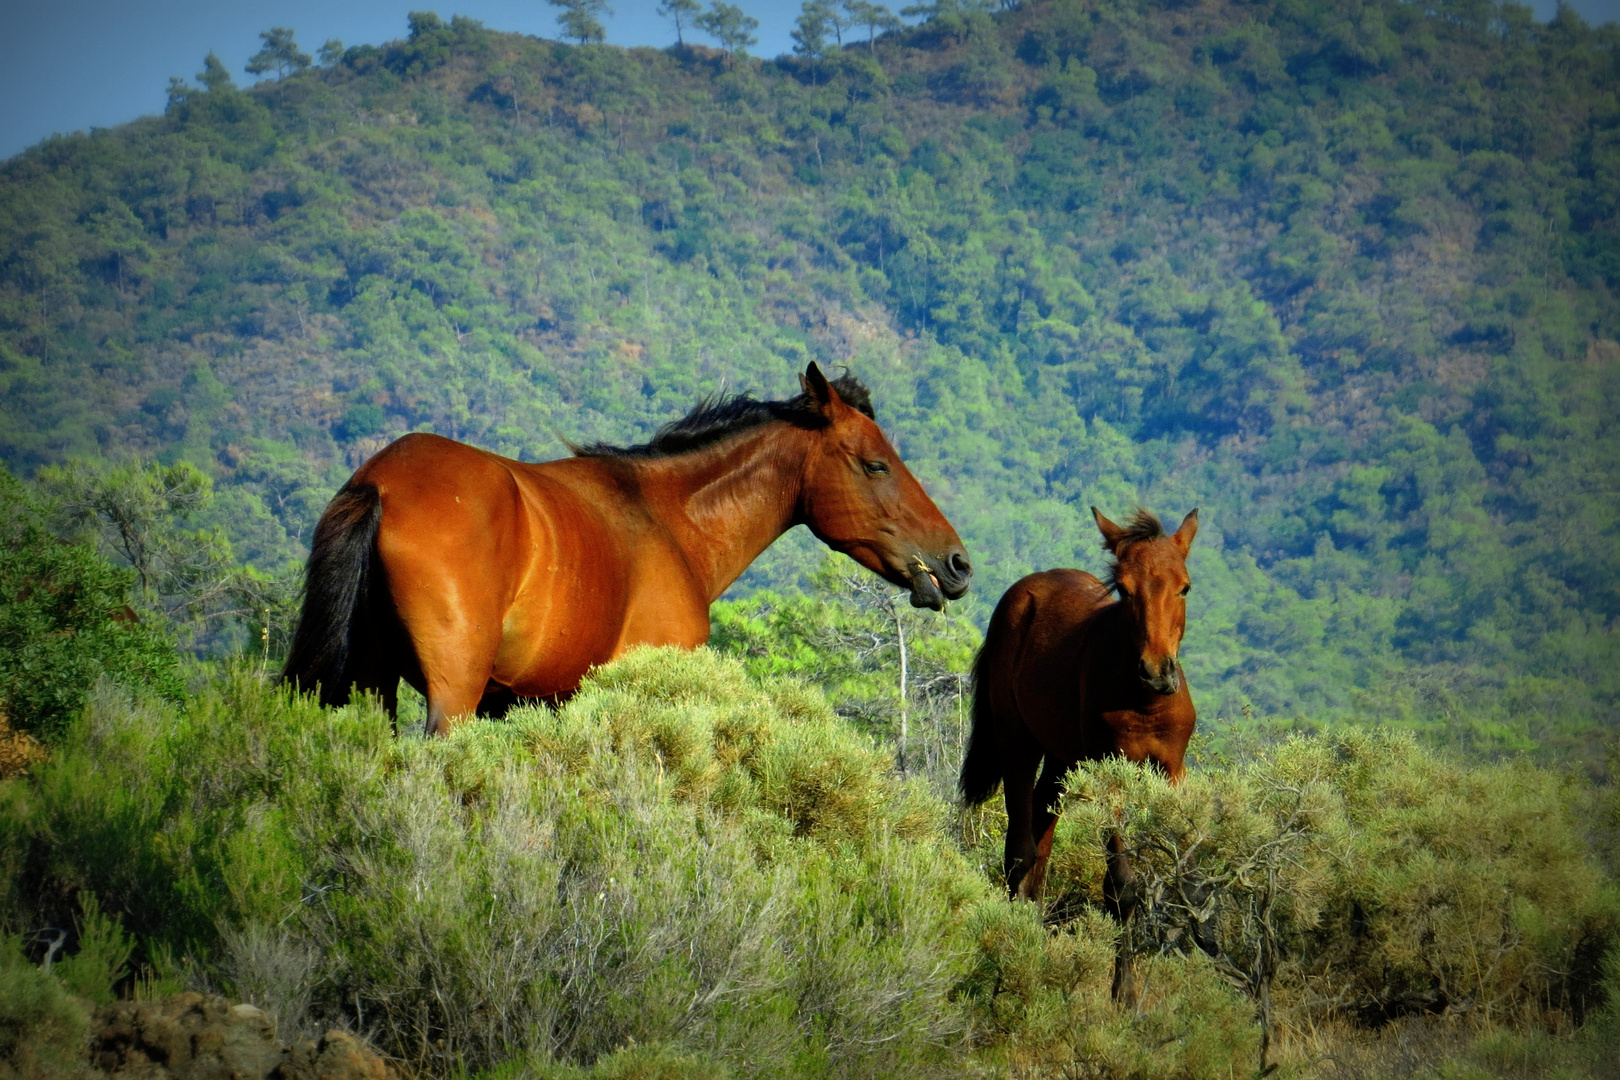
1167	680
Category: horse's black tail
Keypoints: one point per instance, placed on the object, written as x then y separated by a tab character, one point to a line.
981	765
335	587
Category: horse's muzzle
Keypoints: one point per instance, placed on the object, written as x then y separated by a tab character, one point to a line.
934	582
1167	680
925	590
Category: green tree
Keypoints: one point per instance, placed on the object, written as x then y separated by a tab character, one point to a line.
582	19
331	52
142	515
817	20
279	54
65	621
680	12
875	17
214	75
729	25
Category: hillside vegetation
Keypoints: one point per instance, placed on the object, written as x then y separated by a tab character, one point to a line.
1340	273
688	873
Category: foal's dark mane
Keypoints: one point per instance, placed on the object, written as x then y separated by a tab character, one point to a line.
713	419
1143	526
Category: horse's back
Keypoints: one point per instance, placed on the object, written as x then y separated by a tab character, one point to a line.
1041	635
542	570
1044	607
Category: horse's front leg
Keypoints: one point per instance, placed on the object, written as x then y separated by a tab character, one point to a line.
1121	897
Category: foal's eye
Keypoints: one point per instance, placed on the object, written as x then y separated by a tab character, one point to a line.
1185	589
876	468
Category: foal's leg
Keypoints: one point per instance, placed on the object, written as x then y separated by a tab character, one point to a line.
1120	898
1018	790
1043	820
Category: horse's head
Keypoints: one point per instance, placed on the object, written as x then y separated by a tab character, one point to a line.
859	498
1150	575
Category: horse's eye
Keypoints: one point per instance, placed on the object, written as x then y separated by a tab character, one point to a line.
1185	589
876	468
1124	593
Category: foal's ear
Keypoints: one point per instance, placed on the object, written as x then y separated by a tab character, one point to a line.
1189	529
819	390
1112	534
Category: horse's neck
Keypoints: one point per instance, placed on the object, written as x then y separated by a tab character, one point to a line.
726	503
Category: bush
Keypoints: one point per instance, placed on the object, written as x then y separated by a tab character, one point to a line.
64	623
1363	875
679	857
686	872
43	1030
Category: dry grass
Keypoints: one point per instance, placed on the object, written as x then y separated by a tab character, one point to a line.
19	751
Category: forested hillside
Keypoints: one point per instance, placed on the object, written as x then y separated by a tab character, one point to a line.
1341	273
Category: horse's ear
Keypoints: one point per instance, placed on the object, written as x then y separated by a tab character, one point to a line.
819	390
1189	529
1112	534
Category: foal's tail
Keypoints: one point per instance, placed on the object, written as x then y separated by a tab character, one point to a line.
981	765
335	593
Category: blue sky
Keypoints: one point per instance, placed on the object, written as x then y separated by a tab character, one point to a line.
68	65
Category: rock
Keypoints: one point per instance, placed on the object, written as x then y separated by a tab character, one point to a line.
201	1037
337	1055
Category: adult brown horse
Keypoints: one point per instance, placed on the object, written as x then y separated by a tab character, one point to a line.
1068	675
480	580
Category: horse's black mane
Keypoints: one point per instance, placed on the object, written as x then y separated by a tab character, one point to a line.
713	419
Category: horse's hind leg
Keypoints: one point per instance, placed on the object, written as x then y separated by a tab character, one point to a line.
1043	822
455	667
454	632
1021	759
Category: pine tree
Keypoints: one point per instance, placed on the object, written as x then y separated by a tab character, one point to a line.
214	75
816	20
874	17
681	12
280	54
582	19
729	25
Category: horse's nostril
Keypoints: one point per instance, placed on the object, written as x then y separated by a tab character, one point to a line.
960	565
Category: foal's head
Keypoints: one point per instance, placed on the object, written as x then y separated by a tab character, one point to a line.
859	498
1150	575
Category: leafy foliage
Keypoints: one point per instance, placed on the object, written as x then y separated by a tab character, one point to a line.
65	622
43	1031
690	872
1342	274
1361	873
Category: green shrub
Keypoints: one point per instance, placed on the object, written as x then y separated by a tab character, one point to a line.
1042	1001
1363	874
631	1063
686	872
64	623
102	956
679	857
42	1029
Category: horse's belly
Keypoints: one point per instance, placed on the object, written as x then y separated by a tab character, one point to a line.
550	642
675	616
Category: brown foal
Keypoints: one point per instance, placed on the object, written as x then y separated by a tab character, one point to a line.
1067	674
